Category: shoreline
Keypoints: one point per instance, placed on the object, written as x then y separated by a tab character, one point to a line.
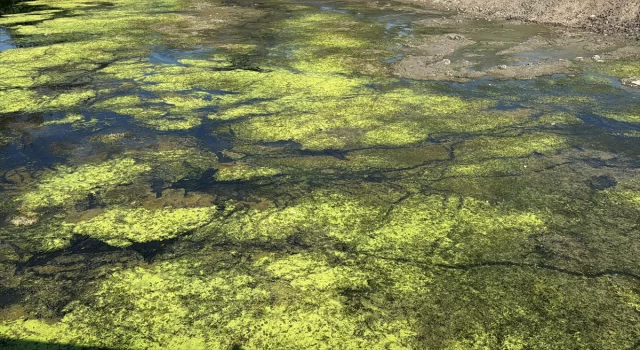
611	17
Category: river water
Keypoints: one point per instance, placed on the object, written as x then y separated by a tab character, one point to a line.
314	175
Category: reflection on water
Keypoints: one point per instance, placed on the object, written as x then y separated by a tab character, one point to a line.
5	41
216	175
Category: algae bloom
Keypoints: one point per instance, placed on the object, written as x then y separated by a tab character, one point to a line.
213	175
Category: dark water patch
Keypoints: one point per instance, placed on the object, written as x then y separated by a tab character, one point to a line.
149	250
91	202
338	154
44	146
79	245
602	182
10	296
15	344
19	6
608	124
200	184
210	139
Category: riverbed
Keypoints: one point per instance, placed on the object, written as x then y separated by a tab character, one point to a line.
314	175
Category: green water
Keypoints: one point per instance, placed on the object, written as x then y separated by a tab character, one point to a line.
251	175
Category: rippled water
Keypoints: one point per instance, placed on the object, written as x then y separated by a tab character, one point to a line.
283	174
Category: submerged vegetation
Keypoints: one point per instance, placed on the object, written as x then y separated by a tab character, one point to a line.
194	175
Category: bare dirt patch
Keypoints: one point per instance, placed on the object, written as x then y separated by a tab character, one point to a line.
604	16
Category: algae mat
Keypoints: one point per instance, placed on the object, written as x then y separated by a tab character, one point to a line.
241	175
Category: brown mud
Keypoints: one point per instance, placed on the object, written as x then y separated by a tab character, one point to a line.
607	17
461	48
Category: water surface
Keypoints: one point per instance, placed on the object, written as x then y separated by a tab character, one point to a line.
249	175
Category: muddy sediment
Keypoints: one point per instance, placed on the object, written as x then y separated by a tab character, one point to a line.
461	48
608	17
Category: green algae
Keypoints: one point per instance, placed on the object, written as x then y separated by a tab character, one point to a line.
5	141
320	212
33	330
302	301
35	66
522	300
448	224
69	99
201	310
332	43
457	228
68	119
519	146
440	221
170	113
556	119
36	16
629	197
360	160
110	137
37	234
123	226
73	47
174	161
67	185
14	100
621	69
237	172
568	100
364	120
626	194
493	167
624	117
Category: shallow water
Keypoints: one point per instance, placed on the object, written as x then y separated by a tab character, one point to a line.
248	175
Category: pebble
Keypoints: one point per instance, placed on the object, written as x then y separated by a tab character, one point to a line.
633	82
24	221
445	61
455	36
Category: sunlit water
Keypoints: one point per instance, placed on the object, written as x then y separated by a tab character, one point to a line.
208	175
